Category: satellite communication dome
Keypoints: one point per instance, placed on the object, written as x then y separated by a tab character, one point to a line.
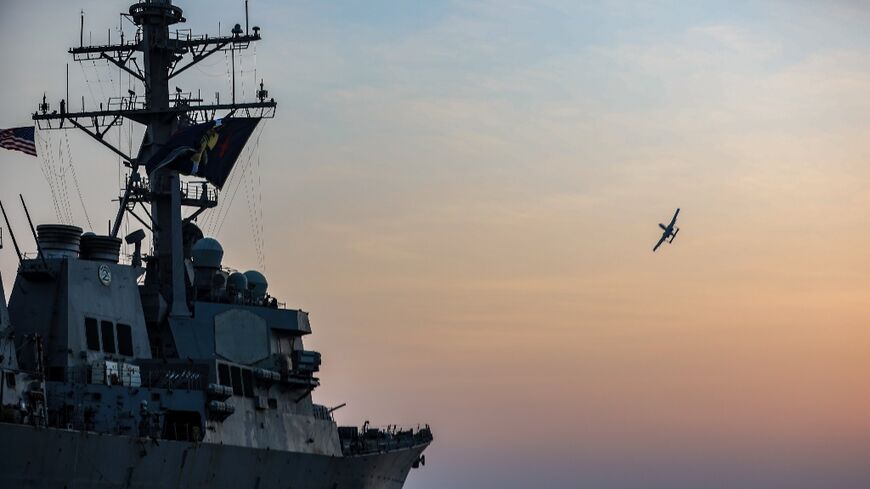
207	253
237	282
257	284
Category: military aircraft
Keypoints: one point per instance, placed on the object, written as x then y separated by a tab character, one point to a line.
669	231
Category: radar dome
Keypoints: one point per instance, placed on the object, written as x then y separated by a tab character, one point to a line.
257	284
237	282
207	253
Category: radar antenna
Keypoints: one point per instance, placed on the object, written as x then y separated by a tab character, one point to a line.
164	54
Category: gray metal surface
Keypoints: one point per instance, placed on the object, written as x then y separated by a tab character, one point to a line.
53	459
179	373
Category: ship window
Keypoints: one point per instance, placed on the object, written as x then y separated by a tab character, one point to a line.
10	380
237	381
92	335
224	375
125	340
108	330
248	377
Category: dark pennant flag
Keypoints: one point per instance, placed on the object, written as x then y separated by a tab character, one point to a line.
208	150
18	139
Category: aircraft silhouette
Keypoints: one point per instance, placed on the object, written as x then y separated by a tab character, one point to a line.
669	231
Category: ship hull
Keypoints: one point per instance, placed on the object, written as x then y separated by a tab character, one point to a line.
48	458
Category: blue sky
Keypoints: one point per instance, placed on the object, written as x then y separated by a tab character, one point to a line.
465	194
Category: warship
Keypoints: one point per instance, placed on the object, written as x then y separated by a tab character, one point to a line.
163	367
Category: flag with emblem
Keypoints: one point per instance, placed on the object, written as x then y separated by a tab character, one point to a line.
19	139
208	150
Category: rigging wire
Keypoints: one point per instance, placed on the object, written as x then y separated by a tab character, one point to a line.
62	172
51	175
224	205
206	73
255	210
99	81
255	66
260	208
220	223
253	194
213	222
253	217
75	180
43	165
215	218
242	171
88	84
228	69
111	81
56	172
242	72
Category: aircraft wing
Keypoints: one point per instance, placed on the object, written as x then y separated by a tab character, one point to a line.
660	242
674	219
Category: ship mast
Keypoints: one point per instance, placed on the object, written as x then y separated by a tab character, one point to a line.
165	55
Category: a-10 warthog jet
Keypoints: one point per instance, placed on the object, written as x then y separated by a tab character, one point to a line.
670	231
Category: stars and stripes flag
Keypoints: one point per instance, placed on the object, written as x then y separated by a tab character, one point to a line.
18	139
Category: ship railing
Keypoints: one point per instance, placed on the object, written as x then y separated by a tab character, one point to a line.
183	376
246	299
132	102
187	35
198	190
179	377
193	193
124	375
124	258
321	412
34	255
383	439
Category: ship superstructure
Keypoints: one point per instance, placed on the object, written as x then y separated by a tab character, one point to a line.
170	370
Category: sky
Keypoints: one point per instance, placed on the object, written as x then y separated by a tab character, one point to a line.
465	196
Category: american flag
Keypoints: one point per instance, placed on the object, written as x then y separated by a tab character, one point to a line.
19	139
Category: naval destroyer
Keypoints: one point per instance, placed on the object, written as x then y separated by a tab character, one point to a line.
164	368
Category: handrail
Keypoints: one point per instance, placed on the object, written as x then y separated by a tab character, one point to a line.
376	440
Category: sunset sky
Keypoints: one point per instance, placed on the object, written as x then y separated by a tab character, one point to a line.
465	196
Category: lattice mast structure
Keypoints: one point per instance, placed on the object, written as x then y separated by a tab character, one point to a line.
164	54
